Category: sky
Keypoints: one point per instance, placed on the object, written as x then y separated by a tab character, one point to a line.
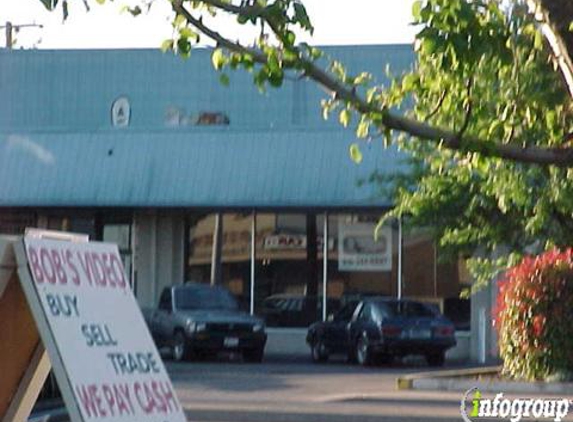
335	22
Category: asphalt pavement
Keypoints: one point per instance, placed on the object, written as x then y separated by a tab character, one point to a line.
291	388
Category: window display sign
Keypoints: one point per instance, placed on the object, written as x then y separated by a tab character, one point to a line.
103	356
359	251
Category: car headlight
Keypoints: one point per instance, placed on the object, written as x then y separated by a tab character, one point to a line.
200	326
191	326
259	326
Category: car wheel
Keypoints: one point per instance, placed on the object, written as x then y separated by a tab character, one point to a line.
436	359
179	349
362	351
318	351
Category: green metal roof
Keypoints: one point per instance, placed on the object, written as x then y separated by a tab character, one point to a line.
204	168
58	147
74	90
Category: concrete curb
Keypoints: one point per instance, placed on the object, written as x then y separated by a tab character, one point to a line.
464	379
408	382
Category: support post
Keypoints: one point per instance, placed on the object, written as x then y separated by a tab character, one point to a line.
30	386
10	28
24	364
324	266
216	276
9	41
435	269
312	262
253	261
399	295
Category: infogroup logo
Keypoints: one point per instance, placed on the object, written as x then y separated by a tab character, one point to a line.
475	407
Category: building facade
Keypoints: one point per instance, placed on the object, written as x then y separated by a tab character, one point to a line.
196	181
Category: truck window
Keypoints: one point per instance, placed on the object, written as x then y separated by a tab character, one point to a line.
204	298
165	300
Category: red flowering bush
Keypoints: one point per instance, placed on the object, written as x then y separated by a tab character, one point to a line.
534	317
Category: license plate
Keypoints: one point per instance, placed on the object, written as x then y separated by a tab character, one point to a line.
231	342
420	333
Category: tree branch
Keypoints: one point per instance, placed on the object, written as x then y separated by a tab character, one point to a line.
221	41
560	157
438	106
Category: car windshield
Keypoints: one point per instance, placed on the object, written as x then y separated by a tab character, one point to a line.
405	309
204	298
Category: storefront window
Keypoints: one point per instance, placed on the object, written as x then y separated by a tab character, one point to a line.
120	234
357	263
235	252
15	223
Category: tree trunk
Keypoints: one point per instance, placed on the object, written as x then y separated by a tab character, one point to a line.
557	16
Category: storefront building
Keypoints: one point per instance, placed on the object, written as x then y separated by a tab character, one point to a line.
200	182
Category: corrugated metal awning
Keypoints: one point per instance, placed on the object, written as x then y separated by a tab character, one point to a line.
202	167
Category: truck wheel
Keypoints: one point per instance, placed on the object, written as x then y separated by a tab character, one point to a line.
254	355
180	351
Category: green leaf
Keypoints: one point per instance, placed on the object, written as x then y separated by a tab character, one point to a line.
49	4
187	32
289	55
362	129
355	153
135	11
538	41
248	62
416	9
273	61
429	46
344	117
100	1
167	45
184	47
302	18
218	59
179	20
408	82
387	137
363	78
378	227
276	78
224	79
290	38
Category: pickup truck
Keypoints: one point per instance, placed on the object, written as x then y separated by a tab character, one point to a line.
196	319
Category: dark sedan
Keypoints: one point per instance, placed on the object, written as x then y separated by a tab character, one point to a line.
379	329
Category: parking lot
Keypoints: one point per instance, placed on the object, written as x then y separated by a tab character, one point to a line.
291	388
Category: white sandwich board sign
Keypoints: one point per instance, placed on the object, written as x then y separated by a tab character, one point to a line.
102	354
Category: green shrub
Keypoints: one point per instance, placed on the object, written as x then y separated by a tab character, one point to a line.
534	317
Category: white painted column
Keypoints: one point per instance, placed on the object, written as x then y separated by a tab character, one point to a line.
253	260
324	265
